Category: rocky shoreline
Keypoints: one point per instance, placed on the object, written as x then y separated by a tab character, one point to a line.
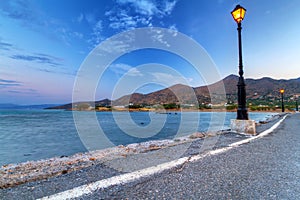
15	174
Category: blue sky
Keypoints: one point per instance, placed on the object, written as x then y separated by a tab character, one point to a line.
44	43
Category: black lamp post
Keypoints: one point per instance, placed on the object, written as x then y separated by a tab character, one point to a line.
297	109
282	104
242	114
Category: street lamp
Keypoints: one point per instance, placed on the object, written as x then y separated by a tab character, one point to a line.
238	15
282	104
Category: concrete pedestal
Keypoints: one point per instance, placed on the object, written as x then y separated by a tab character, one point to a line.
243	126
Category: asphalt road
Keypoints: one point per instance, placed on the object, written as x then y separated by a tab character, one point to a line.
267	168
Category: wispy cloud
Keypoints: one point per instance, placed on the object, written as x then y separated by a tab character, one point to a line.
14	91
97	33
169	79
169	6
38	61
19	10
90	18
123	21
9	83
120	68
23	91
4	85
32	18
55	71
134	72
14	87
39	58
77	35
144	7
150	8
129	14
80	18
5	46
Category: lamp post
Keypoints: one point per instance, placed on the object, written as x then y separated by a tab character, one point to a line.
282	104
242	114
297	109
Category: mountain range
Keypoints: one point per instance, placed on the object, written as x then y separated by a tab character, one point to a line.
264	88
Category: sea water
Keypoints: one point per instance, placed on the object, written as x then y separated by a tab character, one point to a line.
39	134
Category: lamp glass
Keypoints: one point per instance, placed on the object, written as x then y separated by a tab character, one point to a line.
238	13
282	91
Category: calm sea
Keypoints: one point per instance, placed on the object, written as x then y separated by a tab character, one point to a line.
38	134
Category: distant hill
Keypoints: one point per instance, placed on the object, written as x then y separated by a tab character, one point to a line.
15	106
264	88
255	88
183	94
101	103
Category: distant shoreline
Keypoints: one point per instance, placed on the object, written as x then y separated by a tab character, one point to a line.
177	110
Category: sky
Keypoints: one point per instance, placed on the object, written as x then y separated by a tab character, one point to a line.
45	45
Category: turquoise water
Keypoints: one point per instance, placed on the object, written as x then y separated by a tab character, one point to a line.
38	134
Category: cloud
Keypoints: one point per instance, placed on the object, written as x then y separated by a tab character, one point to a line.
144	7
39	58
38	61
120	68
24	91
97	33
120	45
129	14
173	27
134	72
9	83
14	91
122	21
90	18
30	17
169	79
5	46
80	18
159	36
77	35
74	73
18	9
150	8
169	6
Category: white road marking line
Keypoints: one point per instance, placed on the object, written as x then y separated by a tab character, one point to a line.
116	180
132	176
266	132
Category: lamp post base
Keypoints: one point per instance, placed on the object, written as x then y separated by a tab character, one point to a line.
243	126
242	114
